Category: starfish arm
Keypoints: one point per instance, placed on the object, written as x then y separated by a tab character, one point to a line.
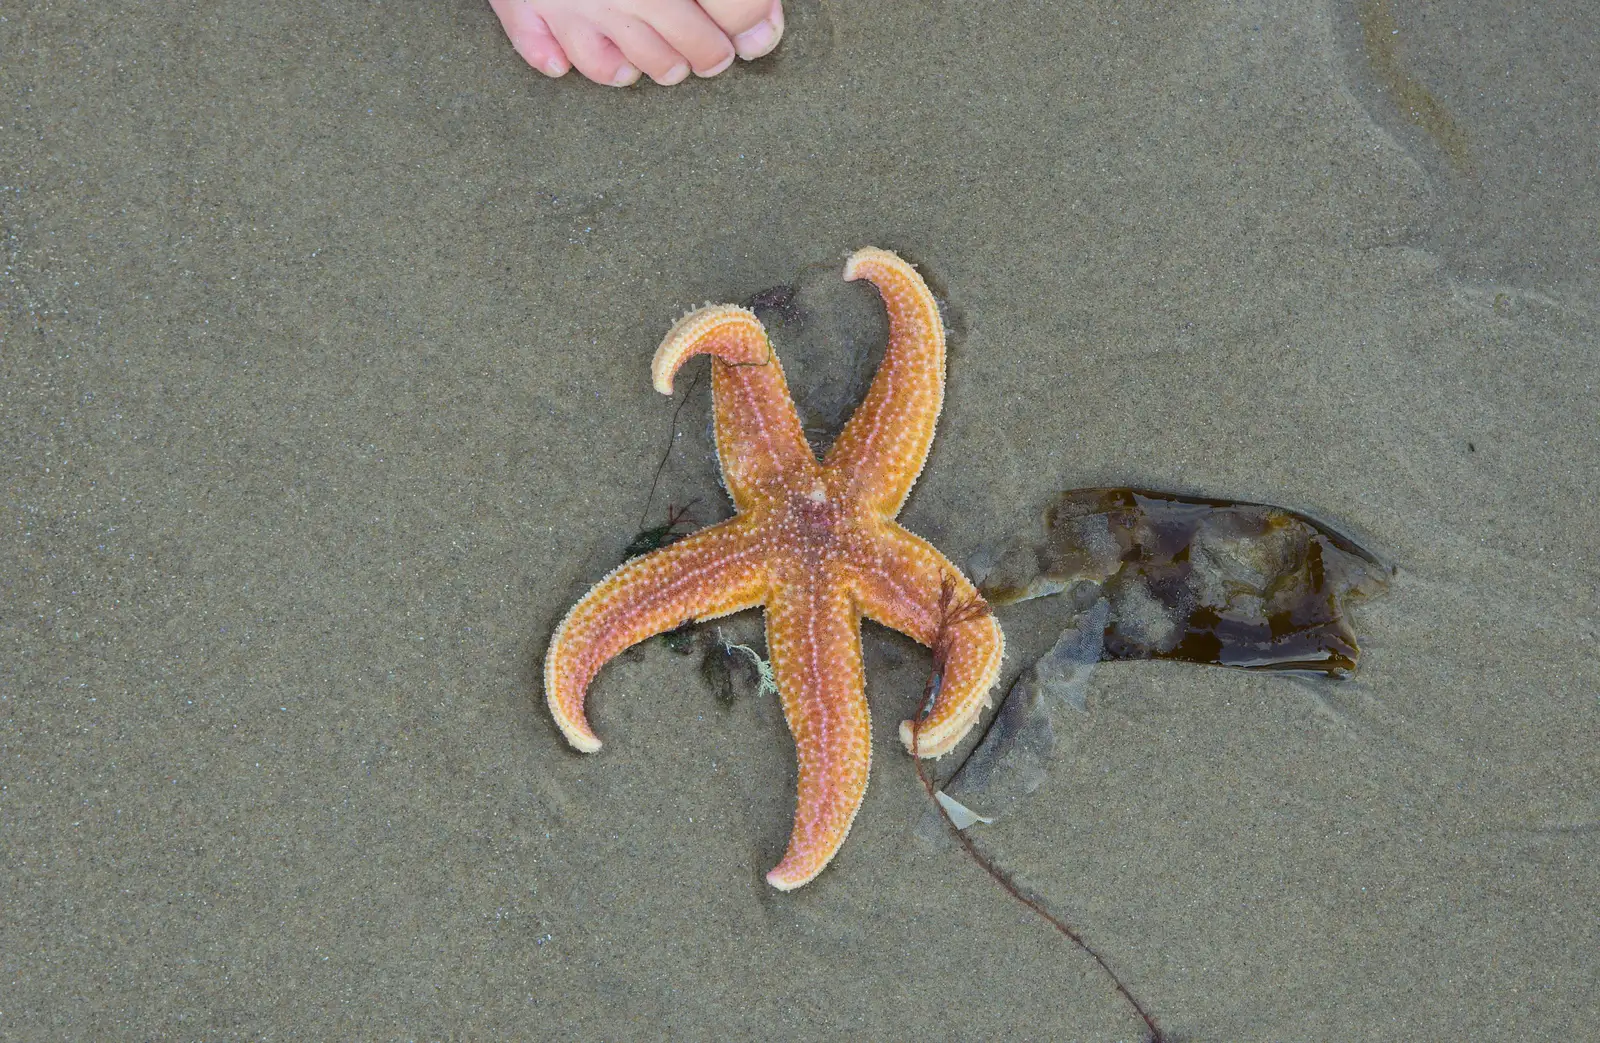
909	586
759	439
715	571
814	640
882	449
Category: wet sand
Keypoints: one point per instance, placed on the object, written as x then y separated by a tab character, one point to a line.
324	393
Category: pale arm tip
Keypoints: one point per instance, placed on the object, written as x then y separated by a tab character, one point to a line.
871	256
694	334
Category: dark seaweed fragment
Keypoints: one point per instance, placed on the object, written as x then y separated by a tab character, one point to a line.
657	536
1220	582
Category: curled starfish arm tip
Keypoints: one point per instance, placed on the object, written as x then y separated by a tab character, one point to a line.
724	330
565	705
715	571
589	743
791	880
856	267
971	668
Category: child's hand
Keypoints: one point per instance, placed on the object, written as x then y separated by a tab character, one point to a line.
613	42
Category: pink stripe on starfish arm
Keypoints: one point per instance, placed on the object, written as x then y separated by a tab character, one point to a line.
712	573
814	638
884	446
907	585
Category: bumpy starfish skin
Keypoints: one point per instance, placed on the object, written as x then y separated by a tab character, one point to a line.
817	545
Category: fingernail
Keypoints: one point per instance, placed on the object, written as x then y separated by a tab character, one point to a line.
675	74
554	67
625	76
756	40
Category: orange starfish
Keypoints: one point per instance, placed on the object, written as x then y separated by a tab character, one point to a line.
817	545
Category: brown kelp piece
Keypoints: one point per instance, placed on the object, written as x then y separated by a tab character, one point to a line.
1199	580
1150	575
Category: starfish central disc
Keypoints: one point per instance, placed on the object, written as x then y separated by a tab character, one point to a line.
815	544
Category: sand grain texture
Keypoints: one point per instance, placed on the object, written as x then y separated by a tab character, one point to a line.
324	344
